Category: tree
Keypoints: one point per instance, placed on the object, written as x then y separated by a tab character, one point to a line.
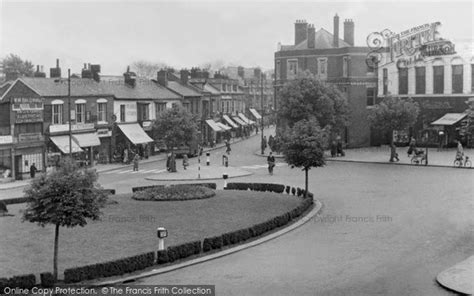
303	146
308	97
393	113
175	126
13	62
146	69
65	198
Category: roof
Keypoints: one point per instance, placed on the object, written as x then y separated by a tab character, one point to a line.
143	89
53	87
184	90
449	119
208	87
322	39
4	87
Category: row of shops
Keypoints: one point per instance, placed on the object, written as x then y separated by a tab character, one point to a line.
231	127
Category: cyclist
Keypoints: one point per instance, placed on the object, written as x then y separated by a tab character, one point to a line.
459	151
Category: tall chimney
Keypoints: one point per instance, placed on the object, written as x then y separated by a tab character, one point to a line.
57	63
39	72
95	70
349	32
184	75
162	78
335	42
129	77
55	72
301	28
311	36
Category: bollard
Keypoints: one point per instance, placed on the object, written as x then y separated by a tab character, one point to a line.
225	160
225	176
208	158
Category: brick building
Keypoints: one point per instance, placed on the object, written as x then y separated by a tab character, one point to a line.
336	61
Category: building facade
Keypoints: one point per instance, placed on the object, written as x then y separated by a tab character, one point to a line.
335	61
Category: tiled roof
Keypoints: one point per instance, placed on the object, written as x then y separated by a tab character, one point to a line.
4	87
143	89
58	87
184	90
208	87
322	39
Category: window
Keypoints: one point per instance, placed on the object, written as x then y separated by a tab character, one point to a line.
186	106
160	107
323	68
403	81
143	112
80	113
102	112
224	87
235	87
122	113
438	79
420	79
370	96
57	114
472	77
457	79
277	70
345	66
385	81
292	69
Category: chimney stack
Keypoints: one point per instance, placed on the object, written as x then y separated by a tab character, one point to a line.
301	28
162	78
55	72
129	77
335	42
311	36
39	72
184	75
86	73
349	32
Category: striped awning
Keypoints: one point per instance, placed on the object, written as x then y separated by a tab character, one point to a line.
223	126
245	119
135	133
239	121
62	142
255	113
229	121
213	125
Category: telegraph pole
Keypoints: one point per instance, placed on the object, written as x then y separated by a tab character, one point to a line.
69	107
261	101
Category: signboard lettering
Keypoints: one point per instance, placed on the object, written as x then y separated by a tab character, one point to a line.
22	104
30	137
27	116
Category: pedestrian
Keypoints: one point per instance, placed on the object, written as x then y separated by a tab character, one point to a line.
227	149
412	146
271	141
33	170
393	153
264	144
459	151
185	161
333	149
340	152
135	162
271	163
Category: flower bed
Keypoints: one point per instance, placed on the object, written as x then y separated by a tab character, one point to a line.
177	192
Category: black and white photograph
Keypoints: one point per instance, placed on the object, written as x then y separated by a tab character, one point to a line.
237	147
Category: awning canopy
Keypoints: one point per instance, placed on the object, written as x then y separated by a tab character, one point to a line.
135	133
255	113
449	119
239	121
87	139
62	142
213	125
229	121
223	126
245	119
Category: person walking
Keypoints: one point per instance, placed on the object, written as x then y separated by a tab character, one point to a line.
393	153
271	163
185	161
459	151
412	148
135	162
33	171
227	147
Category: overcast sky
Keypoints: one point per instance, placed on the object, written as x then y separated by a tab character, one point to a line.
189	33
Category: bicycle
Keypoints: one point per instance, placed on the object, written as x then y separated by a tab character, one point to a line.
462	161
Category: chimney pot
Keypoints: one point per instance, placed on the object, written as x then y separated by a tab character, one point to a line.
37	68
57	63
349	32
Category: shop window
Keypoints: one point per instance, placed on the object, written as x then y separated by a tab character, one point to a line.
57	114
457	79
438	79
102	112
403	81
80	113
420	80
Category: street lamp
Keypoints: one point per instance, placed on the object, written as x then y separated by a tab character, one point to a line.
69	107
261	103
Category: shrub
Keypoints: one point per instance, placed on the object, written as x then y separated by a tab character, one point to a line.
4	283
140	188
175	192
23	281
47	279
109	191
3	207
208	185
293	190
206	245
15	200
287	189
162	257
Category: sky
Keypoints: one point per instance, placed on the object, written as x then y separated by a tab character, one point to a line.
181	34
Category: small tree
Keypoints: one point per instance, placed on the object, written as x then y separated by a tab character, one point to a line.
14	62
175	127
304	146
393	113
67	197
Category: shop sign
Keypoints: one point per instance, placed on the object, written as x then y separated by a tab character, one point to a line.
56	128
103	132
24	104
6	139
30	137
407	47
27	116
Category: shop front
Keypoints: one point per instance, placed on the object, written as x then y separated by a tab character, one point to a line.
446	130
6	156
131	139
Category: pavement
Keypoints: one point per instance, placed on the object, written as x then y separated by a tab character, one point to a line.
459	278
202	172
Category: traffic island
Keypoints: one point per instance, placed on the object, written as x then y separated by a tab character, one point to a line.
459	278
196	173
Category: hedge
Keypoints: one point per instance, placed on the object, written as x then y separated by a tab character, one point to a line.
47	279
108	191
110	268
208	185
16	200
277	188
140	188
26	281
182	251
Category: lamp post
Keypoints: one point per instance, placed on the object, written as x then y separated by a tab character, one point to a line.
69	107
261	101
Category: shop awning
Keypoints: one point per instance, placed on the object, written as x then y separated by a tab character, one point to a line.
223	126
245	119
213	125
62	142
255	113
135	133
239	121
229	121
449	119
87	139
